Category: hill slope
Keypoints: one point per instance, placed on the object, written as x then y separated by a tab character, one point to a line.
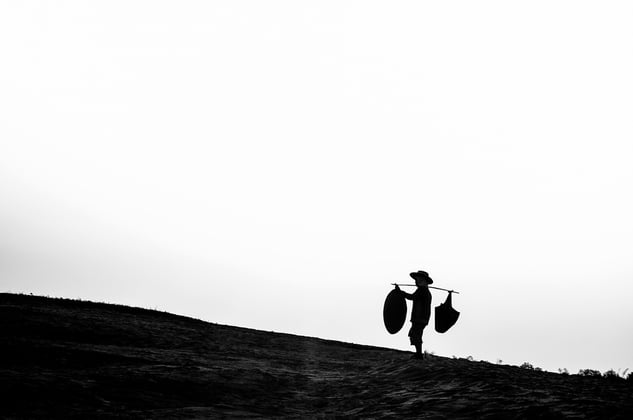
66	358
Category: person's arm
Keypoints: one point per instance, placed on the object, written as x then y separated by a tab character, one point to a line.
405	294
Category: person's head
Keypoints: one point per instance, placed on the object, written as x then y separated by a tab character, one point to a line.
422	278
420	282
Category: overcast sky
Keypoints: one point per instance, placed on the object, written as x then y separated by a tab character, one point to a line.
277	164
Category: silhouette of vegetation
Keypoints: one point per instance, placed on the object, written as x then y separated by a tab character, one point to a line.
611	375
529	366
589	372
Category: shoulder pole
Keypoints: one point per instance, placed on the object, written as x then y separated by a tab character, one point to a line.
430	287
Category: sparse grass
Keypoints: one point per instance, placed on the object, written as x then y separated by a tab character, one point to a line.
610	374
88	303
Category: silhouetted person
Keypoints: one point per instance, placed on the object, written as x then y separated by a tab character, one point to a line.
421	311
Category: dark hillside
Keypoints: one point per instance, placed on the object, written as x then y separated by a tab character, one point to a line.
67	358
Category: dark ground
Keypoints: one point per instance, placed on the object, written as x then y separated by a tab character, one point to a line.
67	358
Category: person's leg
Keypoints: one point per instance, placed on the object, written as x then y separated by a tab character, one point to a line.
421	333
418	348
415	337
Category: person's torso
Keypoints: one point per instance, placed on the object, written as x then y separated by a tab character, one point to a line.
421	310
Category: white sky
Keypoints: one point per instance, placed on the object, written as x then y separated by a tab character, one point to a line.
277	164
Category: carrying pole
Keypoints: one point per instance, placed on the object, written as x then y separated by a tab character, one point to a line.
430	287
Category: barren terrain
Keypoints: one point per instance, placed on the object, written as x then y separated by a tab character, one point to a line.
67	358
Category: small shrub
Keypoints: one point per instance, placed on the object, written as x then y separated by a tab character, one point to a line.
470	358
563	371
499	361
611	374
589	372
527	365
623	374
